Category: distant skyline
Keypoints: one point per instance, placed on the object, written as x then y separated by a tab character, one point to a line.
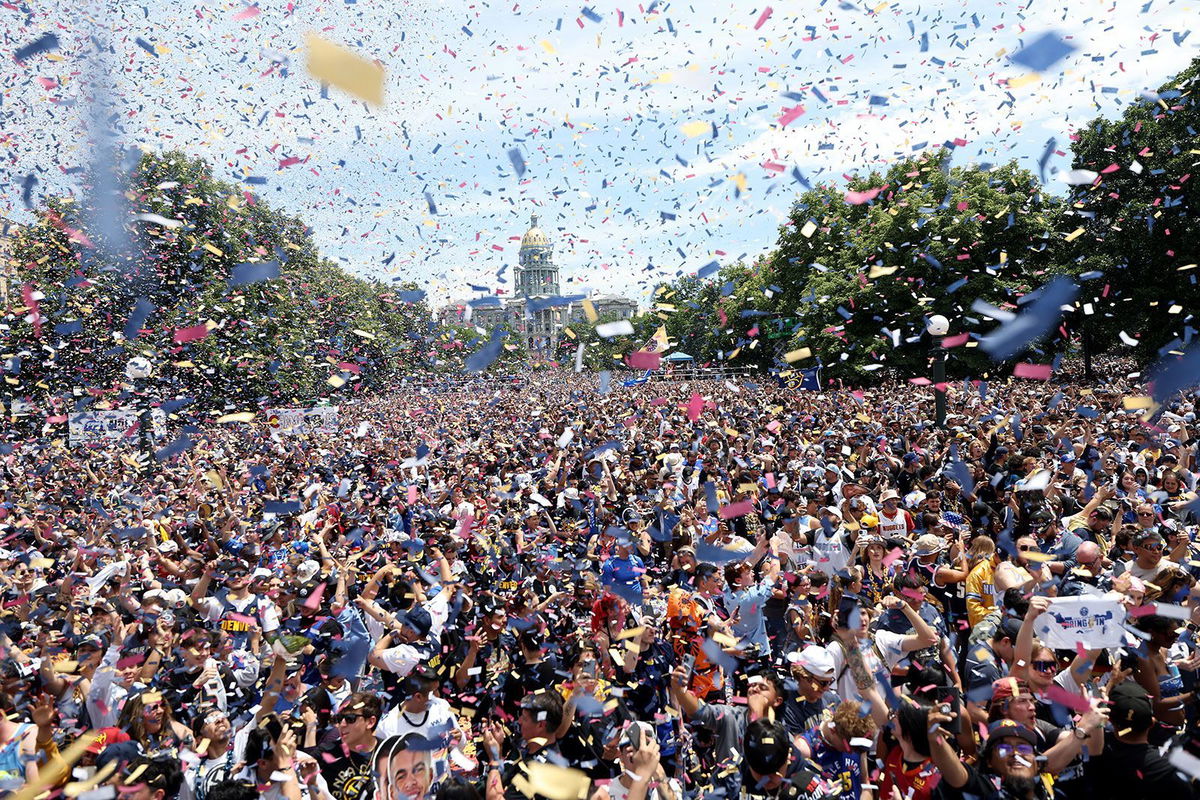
652	136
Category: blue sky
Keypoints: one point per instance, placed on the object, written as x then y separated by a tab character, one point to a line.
630	190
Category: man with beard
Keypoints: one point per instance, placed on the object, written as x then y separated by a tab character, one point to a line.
1007	768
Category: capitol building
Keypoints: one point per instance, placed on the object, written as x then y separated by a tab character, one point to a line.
537	311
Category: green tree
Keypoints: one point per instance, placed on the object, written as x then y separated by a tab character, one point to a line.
1139	219
103	296
862	268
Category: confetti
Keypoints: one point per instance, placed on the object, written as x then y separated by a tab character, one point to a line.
335	65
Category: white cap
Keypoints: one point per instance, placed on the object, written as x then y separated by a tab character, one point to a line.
307	570
815	660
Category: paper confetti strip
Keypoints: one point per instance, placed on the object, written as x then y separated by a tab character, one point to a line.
333	64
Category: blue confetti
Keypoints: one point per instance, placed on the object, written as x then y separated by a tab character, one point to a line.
1175	374
149	48
27	186
253	272
142	308
590	14
486	355
518	161
173	449
1038	318
1043	52
43	44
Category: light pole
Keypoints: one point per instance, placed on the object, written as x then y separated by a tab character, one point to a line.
938	326
138	369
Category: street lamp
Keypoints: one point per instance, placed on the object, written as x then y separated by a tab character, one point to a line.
938	326
138	369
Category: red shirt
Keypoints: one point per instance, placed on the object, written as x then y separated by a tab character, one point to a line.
921	780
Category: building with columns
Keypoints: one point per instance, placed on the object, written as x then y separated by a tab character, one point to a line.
533	311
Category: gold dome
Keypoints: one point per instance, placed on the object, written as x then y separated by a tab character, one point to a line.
534	237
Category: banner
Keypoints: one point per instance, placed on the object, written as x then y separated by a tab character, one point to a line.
803	379
637	381
1091	621
293	421
87	427
658	342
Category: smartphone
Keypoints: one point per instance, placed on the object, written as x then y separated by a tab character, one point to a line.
633	736
949	701
688	663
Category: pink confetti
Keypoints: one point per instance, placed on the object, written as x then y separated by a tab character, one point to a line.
412	494
1037	372
958	340
314	599
790	115
858	198
192	334
247	13
735	510
695	406
763	17
1057	694
641	359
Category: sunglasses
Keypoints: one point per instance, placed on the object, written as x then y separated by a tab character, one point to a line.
822	682
1006	750
1153	548
1024	547
1145	513
1045	666
349	718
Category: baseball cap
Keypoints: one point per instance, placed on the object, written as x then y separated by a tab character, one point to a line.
90	640
1004	728
1042	516
1008	688
105	737
1009	628
417	619
928	543
1130	707
815	660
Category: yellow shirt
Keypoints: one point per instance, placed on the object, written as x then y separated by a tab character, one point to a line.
981	591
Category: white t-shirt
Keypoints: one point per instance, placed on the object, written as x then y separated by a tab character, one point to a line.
890	646
437	722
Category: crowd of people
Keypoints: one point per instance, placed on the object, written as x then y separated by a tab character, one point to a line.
668	591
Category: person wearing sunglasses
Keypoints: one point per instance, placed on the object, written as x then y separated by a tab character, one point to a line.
346	763
234	608
1149	555
1007	767
814	671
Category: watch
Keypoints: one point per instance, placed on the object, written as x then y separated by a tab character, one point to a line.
1080	734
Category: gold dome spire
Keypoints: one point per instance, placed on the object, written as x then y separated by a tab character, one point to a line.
534	237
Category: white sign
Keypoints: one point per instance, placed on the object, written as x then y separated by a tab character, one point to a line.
323	419
87	427
1093	622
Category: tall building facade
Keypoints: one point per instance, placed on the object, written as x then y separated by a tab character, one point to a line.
536	281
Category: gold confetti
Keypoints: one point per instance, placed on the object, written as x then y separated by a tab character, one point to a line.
333	64
796	355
